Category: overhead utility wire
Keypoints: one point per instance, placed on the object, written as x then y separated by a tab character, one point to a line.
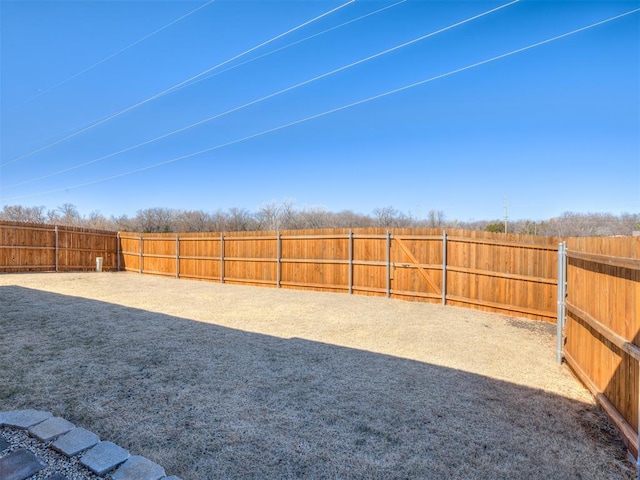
174	87
297	42
266	97
334	110
110	56
206	78
279	49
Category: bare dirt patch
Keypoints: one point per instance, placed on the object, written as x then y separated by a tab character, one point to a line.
226	381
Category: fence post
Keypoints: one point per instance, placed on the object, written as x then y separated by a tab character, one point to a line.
177	255
221	257
118	252
388	264
55	249
562	291
444	267
278	258
350	261
141	254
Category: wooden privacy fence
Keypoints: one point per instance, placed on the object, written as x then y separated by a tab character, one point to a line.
590	286
507	273
44	248
601	325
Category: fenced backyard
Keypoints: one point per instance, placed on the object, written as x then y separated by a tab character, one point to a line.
508	274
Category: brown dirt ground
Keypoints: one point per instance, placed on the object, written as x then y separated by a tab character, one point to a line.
227	381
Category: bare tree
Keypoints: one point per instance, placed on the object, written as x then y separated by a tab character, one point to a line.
17	213
155	220
65	214
194	221
629	223
269	216
524	227
123	223
219	221
240	219
284	216
435	218
98	221
313	217
349	219
276	216
389	217
287	213
385	217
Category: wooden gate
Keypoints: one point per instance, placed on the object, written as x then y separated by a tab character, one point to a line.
417	266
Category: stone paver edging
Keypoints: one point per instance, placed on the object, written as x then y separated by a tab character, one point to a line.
100	457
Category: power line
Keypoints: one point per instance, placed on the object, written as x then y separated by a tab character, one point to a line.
297	42
266	97
174	87
199	80
110	56
289	45
334	110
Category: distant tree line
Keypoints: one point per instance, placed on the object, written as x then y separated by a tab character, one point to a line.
286	216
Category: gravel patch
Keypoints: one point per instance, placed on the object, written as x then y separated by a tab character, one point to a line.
54	461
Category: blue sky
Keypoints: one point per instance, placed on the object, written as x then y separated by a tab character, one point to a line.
550	129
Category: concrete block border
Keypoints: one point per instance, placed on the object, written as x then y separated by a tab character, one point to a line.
99	456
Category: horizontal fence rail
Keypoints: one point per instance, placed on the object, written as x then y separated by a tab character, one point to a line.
513	275
46	248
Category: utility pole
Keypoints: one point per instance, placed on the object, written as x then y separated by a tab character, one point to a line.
506	214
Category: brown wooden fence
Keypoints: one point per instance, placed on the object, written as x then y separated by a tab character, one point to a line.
602	330
512	274
45	248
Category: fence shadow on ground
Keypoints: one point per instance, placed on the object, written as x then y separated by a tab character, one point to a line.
207	401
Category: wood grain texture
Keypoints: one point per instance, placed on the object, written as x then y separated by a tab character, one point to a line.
602	330
44	248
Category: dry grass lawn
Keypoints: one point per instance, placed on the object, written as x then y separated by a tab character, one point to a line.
224	381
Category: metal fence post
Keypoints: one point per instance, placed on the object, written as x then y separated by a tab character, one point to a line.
278	259
388	264
350	261
444	267
141	254
177	255
562	291
55	249
222	258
